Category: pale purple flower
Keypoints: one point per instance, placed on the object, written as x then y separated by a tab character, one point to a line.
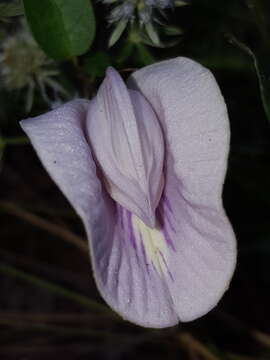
143	165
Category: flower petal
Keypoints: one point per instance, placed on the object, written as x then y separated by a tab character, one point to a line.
182	266
60	143
128	283
194	120
127	142
126	276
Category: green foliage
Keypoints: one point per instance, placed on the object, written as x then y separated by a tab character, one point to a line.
153	35
63	28
9	9
95	64
118	31
144	56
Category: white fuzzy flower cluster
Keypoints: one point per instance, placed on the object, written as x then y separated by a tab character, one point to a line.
24	66
128	10
141	12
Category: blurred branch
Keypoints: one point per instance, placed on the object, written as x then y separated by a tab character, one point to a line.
232	39
55	350
193	346
51	317
263	339
17	140
54	288
261	64
39	222
65	277
55	329
42	348
257	9
239	357
236	324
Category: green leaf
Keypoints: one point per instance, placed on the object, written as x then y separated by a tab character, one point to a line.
173	30
96	64
117	32
125	52
144	56
8	9
62	28
180	3
152	33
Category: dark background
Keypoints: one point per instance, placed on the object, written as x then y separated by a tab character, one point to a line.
41	321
